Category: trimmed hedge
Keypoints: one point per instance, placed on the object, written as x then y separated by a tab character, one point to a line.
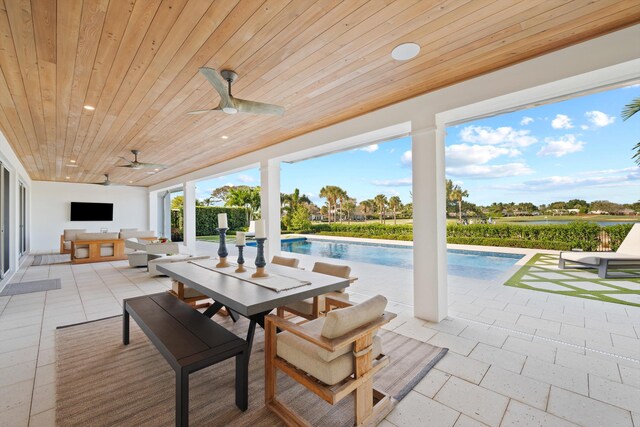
207	219
406	237
376	231
510	243
617	233
585	236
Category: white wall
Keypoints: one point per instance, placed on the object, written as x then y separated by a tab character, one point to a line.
51	209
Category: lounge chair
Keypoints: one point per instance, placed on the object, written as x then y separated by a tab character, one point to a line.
626	257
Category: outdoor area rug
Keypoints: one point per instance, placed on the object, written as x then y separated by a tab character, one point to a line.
99	381
49	259
541	273
29	287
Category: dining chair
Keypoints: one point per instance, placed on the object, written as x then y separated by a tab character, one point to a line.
312	308
287	262
332	356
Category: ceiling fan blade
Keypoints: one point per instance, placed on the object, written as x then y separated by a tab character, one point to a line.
130	166
202	111
254	107
216	81
125	159
152	165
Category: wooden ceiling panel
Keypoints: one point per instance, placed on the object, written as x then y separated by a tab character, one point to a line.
136	62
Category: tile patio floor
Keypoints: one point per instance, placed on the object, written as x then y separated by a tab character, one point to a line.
517	357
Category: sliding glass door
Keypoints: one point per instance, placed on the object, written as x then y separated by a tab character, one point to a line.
5	224
23	219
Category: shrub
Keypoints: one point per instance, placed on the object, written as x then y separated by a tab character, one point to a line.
511	243
207	219
300	219
380	231
616	234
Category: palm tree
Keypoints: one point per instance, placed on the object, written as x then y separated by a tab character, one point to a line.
368	206
246	197
326	193
456	195
395	203
291	202
341	196
381	203
629	110
349	205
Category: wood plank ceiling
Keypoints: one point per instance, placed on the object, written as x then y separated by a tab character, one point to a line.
136	62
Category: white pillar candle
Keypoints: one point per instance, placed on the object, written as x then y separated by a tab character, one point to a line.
240	239
222	220
260	231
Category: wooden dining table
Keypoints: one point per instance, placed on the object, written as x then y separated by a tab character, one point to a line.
245	298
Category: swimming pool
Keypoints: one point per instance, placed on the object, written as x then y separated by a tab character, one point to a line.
482	265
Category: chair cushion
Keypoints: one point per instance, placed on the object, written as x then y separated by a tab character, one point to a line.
71	233
344	320
67	246
631	244
306	306
332	269
82	251
328	367
287	262
96	236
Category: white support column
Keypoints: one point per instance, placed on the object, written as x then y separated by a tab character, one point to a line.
153	214
270	205
429	226
189	218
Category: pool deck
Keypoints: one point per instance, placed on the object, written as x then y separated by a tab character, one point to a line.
516	356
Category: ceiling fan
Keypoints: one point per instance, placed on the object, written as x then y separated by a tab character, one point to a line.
106	181
228	103
135	164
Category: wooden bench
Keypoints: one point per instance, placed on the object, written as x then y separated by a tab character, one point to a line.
189	341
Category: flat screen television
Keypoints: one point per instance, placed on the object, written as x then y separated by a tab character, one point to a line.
81	211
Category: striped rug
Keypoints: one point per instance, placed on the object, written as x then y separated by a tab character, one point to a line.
103	383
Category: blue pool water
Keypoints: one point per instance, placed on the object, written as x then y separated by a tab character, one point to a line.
482	265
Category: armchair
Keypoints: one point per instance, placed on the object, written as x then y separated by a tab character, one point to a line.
332	356
311	308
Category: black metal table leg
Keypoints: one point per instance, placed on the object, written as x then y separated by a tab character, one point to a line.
232	315
213	309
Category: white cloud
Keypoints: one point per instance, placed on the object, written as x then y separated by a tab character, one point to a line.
526	121
561	121
599	119
584	127
505	136
245	178
601	178
463	154
561	146
370	148
490	171
402	182
406	158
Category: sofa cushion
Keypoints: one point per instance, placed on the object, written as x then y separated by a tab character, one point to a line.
328	367
67	246
96	236
71	234
127	234
82	251
128	229
344	320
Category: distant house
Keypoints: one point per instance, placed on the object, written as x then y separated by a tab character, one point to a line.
628	211
573	211
599	212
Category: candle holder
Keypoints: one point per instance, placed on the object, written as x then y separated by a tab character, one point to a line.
260	261
240	268
222	248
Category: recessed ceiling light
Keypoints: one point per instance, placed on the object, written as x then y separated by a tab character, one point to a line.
72	161
68	177
405	51
89	107
224	137
156	169
72	166
130	182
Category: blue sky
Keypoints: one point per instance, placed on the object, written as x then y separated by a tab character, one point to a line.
579	148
